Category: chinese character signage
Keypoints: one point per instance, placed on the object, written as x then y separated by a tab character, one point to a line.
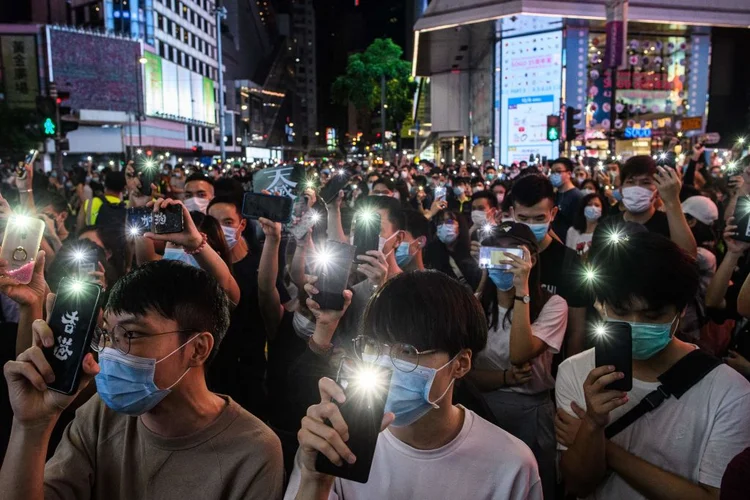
279	181
20	70
617	26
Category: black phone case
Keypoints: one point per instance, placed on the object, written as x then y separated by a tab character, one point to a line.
72	321
168	221
367	235
363	415
336	183
141	218
615	348
333	279
274	208
146	177
742	219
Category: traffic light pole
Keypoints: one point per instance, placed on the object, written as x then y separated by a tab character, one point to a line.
221	13
58	152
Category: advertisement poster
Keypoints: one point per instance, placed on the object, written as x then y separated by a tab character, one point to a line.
531	83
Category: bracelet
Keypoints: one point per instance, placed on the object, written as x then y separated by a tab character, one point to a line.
200	247
319	349
25	190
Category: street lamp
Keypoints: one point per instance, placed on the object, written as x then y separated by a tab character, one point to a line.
139	96
221	13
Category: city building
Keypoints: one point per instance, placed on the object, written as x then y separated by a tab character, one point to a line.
497	69
305	107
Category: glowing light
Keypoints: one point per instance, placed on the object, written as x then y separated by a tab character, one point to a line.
590	274
79	255
76	286
366	216
741	140
367	379
149	164
20	220
134	231
314	216
138	151
600	330
616	237
662	156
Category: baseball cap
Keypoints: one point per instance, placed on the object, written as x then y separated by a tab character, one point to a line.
701	208
516	231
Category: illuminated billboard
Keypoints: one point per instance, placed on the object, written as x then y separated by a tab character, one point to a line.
529	84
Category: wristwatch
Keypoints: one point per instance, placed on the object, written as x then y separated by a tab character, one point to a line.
523	298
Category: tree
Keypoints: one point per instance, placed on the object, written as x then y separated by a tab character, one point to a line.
19	132
361	83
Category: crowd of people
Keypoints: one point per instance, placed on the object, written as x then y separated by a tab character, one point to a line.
216	368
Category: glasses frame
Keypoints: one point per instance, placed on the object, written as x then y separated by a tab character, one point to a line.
109	339
383	348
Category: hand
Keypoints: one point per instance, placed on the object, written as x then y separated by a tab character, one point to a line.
312	197
421	195
99	276
374	266
518	375
567	425
474	250
315	436
25	295
49	223
738	362
324	317
339	200
668	183
5	210
734	246
437	206
521	268
271	229
189	239
137	199
600	401
698	150
734	184
33	404
26	182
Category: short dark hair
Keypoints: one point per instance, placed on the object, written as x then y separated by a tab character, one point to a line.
416	224
179	292
115	181
428	310
637	165
387	182
55	200
391	205
227	186
228	200
565	162
198	176
641	265
486	195
530	190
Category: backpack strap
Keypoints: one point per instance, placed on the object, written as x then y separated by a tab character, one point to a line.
676	381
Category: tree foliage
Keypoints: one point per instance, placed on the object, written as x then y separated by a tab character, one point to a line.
360	85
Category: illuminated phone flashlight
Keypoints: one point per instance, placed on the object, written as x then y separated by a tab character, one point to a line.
366	216
314	216
134	231
590	274
20	221
79	255
600	330
341	171
354	186
149	164
487	229
616	237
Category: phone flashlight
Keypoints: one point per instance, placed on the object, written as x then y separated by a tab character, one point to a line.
600	330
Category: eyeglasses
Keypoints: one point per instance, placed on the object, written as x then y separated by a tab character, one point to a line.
405	357
121	339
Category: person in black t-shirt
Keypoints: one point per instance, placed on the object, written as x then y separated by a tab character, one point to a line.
642	185
533	203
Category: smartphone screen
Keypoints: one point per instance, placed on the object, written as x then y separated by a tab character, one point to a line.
72	321
613	346
495	258
742	219
333	264
21	241
336	183
147	173
168	220
139	220
440	193
366	227
366	387
274	208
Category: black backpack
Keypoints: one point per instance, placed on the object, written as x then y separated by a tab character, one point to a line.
111	215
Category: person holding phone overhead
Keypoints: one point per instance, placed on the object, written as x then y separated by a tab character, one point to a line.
526	329
677	443
452	451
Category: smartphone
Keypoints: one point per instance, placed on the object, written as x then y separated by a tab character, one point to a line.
167	220
440	193
366	232
613	345
336	183
147	175
495	258
139	220
366	387
29	160
274	208
333	266
21	241
742	219
72	321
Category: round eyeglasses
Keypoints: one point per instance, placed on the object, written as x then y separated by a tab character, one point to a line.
405	357
121	339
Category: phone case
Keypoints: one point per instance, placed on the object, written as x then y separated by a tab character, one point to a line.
168	220
334	276
72	321
273	208
336	183
742	219
614	347
23	235
367	235
139	220
492	257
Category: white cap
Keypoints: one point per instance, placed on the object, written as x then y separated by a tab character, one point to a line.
701	208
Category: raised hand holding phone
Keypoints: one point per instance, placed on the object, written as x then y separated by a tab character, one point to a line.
189	238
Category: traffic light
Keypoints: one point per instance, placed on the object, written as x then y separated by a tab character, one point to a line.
572	119
553	127
46	108
198	150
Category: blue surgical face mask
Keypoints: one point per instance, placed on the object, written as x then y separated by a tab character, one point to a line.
539	230
617	195
126	383
403	256
447	233
649	339
458	191
180	255
503	280
409	393
556	179
230	236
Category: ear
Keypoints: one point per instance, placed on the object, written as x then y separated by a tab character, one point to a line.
243	225
462	364
692	222
64	216
554	213
202	346
399	238
600	308
422	240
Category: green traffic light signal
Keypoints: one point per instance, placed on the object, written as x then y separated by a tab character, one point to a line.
50	128
553	134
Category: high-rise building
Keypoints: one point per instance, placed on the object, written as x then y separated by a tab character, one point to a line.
306	100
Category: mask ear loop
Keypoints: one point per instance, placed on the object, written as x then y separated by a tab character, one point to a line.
168	355
435	404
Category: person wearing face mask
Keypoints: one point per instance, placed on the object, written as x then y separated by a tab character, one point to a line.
460	198
642	184
526	329
416	232
453	452
483	210
580	174
450	251
592	208
241	365
152	417
567	197
532	203
590	186
199	191
680	448
177	182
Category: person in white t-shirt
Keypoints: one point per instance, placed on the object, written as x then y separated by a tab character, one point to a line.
592	208
424	327
680	449
527	328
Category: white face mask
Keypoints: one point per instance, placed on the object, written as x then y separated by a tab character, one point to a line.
478	217
382	242
303	326
637	199
196	204
592	213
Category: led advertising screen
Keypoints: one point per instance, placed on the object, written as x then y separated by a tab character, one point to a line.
530	87
99	71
